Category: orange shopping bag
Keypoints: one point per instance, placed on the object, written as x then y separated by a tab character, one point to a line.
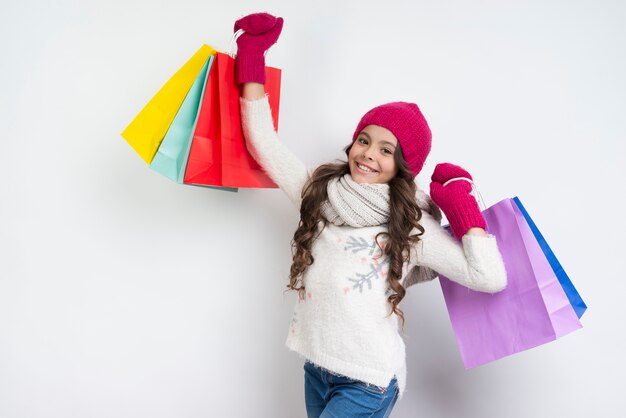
218	154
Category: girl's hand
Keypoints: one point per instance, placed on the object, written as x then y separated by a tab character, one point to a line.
261	31
455	200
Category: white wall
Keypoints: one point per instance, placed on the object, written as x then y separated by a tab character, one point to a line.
123	294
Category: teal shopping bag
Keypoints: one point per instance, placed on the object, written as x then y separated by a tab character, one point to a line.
171	157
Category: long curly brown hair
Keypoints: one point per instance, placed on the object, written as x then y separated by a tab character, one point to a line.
404	218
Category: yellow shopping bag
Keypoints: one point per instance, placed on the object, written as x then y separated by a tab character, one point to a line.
149	127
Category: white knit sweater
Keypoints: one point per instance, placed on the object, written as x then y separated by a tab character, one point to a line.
342	324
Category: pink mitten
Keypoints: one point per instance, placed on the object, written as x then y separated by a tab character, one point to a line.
454	199
261	30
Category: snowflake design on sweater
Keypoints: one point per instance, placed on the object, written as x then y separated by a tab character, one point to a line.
360	244
375	272
376	268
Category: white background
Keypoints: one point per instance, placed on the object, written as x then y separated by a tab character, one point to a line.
123	294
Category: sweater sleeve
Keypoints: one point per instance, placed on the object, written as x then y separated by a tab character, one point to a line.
475	263
280	164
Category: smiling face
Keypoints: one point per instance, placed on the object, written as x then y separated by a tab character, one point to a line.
371	158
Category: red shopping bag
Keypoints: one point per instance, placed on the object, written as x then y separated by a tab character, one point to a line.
204	164
218	154
239	169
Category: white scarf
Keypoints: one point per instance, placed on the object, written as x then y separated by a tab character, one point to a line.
363	204
356	204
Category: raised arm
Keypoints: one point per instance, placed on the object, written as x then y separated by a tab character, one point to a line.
261	30
283	167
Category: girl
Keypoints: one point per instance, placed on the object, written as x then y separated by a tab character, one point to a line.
365	234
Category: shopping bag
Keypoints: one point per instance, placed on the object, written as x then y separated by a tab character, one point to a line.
211	158
572	294
148	129
204	162
531	311
171	157
239	169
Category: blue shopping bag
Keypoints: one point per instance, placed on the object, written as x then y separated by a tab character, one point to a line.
572	294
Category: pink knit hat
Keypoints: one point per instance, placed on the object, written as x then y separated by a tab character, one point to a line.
407	123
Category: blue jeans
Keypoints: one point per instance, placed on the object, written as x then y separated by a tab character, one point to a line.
328	395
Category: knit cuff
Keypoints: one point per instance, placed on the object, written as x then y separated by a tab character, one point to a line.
465	215
250	67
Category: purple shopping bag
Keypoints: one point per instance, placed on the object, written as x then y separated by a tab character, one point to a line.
531	311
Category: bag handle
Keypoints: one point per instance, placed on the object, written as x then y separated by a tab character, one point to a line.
474	191
233	43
